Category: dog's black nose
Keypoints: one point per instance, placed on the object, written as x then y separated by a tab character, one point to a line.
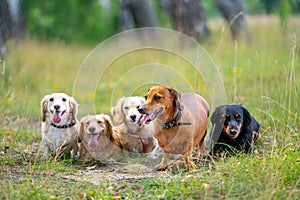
233	131
133	117
141	109
92	129
56	107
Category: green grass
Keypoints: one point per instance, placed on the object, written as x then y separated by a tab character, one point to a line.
262	74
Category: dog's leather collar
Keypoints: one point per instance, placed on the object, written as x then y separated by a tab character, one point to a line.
63	126
174	122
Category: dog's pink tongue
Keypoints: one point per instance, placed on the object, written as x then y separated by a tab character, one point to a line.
56	117
93	142
144	119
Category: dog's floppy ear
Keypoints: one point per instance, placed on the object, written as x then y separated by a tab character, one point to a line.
218	115
73	108
177	98
81	130
246	117
217	121
108	124
44	107
215	117
117	112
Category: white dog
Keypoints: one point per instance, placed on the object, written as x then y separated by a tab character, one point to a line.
135	138
59	124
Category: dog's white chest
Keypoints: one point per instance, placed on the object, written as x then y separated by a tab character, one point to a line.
55	137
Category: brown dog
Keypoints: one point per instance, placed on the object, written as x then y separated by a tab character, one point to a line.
98	140
181	122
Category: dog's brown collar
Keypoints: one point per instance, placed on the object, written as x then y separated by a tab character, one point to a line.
64	125
174	122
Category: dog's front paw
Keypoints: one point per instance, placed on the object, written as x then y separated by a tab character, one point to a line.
160	167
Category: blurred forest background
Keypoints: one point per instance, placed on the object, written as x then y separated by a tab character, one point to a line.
92	21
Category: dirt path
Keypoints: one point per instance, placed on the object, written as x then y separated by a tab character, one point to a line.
26	163
129	173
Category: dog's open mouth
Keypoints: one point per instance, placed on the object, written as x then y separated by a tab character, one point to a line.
57	116
147	118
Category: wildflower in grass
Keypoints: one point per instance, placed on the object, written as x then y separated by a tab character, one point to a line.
8	101
55	86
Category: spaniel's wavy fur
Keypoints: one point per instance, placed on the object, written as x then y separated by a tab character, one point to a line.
59	124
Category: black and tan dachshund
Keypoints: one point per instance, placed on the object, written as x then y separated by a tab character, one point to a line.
233	130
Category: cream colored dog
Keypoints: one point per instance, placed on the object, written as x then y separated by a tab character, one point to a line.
98	140
59	124
135	137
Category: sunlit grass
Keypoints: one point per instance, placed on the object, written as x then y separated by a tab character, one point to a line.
34	69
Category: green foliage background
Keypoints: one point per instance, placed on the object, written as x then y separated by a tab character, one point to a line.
92	21
79	21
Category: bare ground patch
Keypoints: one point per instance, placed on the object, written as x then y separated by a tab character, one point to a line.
21	165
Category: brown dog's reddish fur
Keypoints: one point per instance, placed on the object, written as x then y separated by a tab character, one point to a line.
177	139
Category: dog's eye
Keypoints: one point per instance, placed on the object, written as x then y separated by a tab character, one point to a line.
99	122
156	98
64	99
51	99
145	97
126	108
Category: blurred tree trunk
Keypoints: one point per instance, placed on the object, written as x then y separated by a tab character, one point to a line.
188	17
16	18
137	13
233	12
11	23
4	27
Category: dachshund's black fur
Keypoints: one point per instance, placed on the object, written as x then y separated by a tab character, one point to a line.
233	129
